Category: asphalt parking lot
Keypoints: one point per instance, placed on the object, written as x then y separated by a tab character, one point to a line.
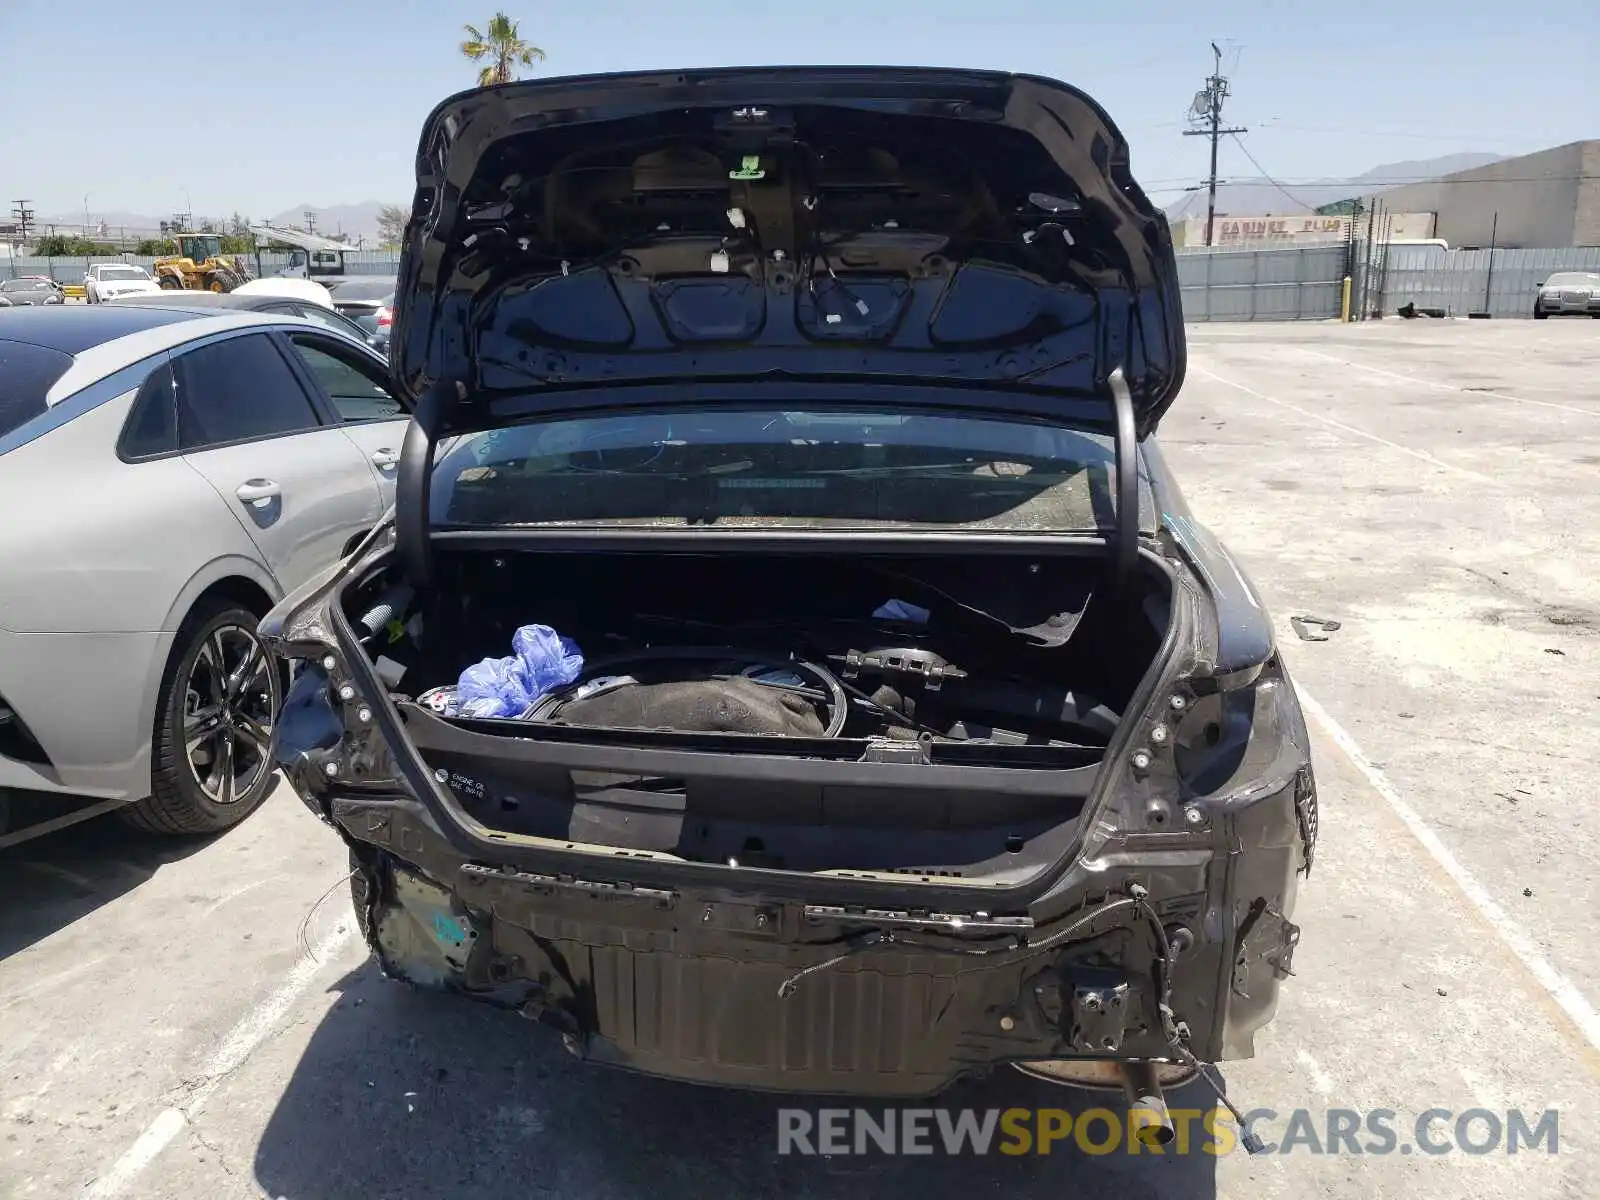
184	1020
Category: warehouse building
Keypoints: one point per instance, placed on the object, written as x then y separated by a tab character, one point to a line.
1549	199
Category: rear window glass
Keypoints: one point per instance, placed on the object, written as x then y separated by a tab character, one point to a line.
26	374
769	468
379	288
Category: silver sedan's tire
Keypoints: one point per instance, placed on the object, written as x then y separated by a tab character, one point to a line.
210	763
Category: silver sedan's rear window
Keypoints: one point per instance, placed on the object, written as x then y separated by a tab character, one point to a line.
26	374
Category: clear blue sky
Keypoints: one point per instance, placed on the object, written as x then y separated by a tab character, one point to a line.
283	102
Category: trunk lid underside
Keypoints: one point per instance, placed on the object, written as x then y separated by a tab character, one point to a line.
937	227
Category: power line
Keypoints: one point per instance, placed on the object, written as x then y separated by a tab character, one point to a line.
1438	135
1207	106
1267	177
1402	181
1373	187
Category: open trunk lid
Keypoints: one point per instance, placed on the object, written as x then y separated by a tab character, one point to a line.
973	232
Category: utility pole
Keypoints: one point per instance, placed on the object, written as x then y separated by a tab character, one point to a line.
24	217
311	221
1207	109
1488	279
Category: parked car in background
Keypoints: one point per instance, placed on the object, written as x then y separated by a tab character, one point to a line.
241	300
106	281
308	290
368	300
802	672
32	290
179	474
1568	294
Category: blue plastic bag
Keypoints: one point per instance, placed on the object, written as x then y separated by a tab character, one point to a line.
506	687
902	610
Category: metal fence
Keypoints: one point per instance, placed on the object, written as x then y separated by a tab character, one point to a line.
1307	283
1499	282
1300	284
72	270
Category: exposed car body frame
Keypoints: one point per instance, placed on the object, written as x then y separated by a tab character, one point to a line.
1155	927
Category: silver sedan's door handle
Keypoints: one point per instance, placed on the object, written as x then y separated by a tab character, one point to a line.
258	491
385	458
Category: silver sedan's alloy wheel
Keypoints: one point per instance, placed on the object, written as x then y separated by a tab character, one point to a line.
230	700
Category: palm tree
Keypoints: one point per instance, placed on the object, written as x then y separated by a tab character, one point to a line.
502	47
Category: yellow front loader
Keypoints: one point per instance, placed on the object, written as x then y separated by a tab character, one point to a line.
200	265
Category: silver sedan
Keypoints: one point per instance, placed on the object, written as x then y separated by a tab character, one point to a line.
166	478
1568	293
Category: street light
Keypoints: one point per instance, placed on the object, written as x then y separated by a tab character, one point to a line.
86	214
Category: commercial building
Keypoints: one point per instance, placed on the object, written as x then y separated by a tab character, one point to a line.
1549	200
1234	232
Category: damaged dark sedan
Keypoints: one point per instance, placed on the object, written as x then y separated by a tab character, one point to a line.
789	663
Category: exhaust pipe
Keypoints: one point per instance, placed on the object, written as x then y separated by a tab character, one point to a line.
1148	1118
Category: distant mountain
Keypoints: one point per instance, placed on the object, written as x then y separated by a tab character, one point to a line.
1420	170
356	220
1256	198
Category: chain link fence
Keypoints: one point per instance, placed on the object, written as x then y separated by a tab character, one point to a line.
72	270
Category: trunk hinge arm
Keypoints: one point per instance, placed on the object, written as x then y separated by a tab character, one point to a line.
1126	534
414	480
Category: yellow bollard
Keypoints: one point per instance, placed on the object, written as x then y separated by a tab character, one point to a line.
1344	302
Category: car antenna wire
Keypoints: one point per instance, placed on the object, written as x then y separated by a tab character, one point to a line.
884	937
865	941
1248	1137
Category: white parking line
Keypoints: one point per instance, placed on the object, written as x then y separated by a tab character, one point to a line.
1351	429
1449	387
1320	1079
233	895
1561	989
241	1042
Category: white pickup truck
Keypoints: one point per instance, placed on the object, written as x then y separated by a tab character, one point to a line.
105	280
